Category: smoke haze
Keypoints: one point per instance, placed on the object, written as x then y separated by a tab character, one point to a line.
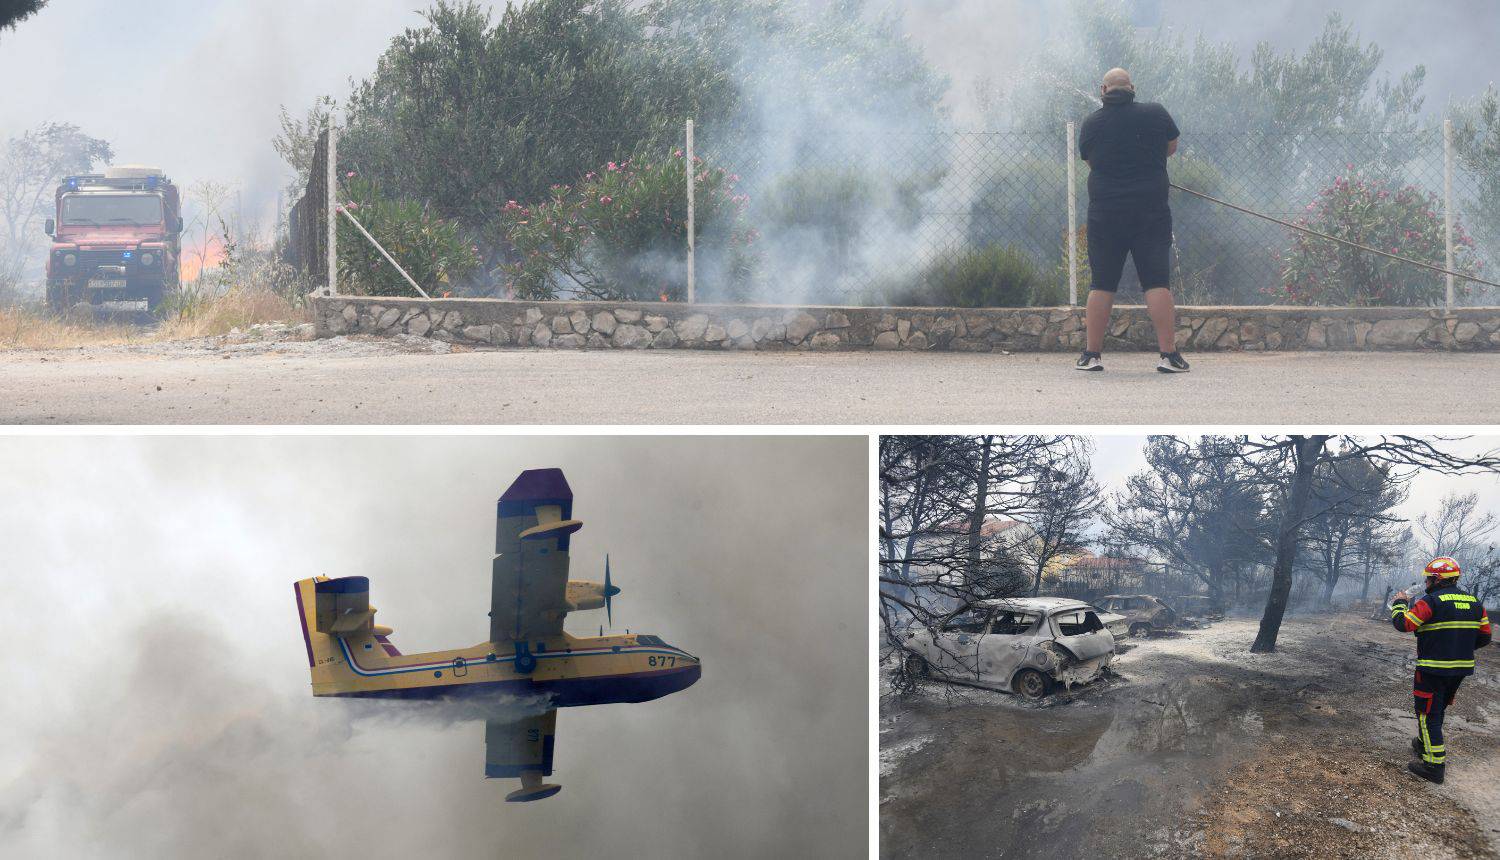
157	691
195	87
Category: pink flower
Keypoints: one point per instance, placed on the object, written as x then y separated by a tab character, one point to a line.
677	154
606	200
350	175
613	167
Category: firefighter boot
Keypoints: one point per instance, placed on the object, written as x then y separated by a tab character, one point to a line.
1416	746
1429	772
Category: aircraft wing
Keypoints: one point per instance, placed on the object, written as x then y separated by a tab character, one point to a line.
529	579
515	747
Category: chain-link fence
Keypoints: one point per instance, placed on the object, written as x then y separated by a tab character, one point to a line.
942	217
923	217
872	219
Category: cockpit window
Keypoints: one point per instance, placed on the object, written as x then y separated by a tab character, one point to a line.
649	640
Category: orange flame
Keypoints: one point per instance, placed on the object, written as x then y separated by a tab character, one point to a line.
196	258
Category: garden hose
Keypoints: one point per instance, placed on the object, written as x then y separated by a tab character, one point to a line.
1322	235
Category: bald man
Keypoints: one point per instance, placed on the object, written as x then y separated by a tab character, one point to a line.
1126	145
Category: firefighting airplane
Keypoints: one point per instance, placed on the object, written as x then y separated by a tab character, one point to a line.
527	652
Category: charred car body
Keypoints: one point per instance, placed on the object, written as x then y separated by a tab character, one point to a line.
1199	608
1026	646
116	237
1143	613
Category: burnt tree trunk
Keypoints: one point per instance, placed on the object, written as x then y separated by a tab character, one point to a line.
1308	449
976	517
1331	582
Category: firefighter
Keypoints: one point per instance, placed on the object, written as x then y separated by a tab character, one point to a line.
1450	624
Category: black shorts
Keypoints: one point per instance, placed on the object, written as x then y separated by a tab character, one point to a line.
1147	238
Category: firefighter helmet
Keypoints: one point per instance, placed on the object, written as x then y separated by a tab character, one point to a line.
1442	568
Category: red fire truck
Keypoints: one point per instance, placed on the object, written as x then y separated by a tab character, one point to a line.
117	237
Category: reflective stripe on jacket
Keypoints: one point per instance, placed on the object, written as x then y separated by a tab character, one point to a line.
1450	624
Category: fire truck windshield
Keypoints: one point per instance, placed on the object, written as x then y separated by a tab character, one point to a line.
103	209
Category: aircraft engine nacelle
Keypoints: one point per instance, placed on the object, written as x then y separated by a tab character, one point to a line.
585	595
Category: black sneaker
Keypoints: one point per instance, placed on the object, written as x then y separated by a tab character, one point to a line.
1089	361
1173	362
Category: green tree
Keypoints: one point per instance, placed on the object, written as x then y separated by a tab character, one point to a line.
13	12
1275	122
31	167
1476	144
618	234
465	115
1331	85
432	250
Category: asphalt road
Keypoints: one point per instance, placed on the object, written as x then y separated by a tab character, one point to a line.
330	383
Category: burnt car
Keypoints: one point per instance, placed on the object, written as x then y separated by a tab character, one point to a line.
1028	645
1143	613
1199	608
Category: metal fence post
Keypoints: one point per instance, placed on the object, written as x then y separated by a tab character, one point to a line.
1448	207
331	215
692	217
1072	218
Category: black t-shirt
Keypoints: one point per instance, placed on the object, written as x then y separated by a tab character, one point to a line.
1125	144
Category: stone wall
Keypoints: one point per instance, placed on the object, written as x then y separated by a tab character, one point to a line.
652	325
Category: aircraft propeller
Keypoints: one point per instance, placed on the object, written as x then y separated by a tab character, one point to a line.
609	592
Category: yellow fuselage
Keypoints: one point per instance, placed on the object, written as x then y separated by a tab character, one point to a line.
574	670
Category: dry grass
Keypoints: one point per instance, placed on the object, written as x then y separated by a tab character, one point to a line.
27	327
197	315
239	307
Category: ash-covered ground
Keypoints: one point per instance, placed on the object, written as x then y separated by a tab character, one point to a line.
1196	747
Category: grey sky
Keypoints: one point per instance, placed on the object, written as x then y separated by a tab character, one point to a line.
157	691
194	85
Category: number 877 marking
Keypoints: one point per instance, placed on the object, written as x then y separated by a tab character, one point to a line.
667	661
